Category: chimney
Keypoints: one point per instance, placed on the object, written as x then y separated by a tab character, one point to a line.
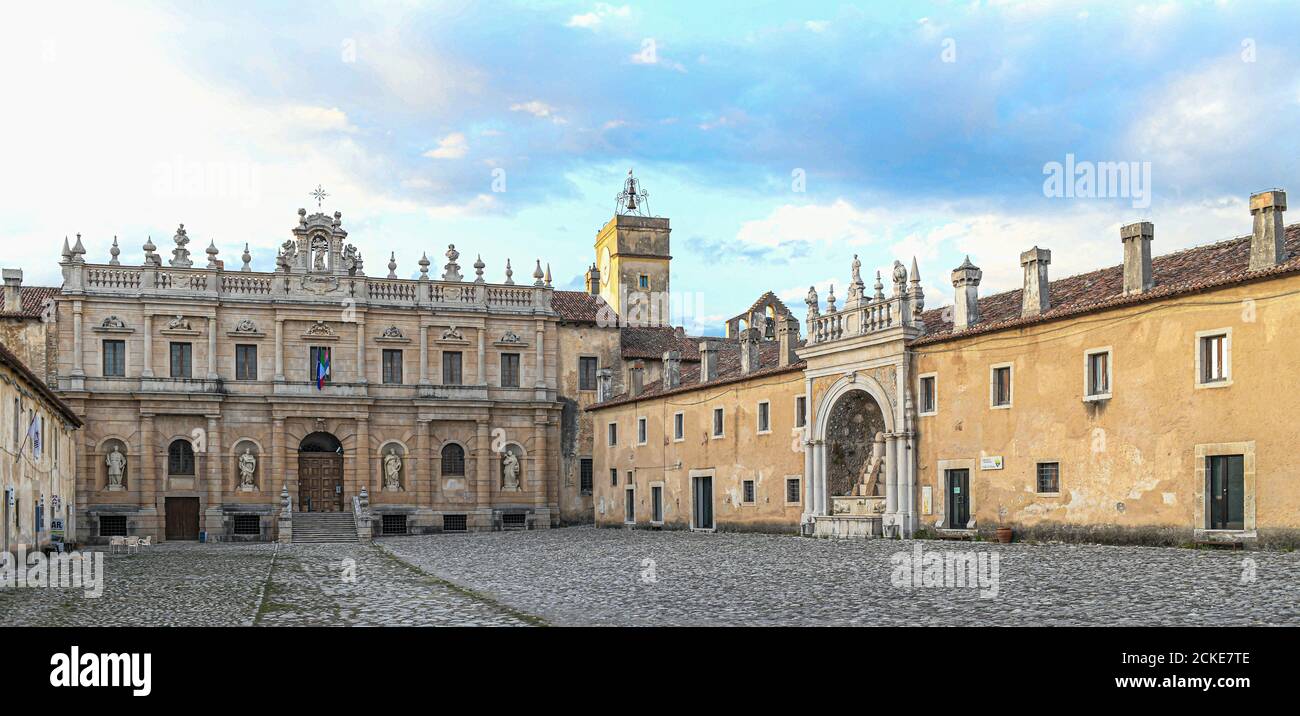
708	361
749	358
604	384
1034	299
787	339
593	280
13	290
672	369
1266	248
636	378
1137	256
966	306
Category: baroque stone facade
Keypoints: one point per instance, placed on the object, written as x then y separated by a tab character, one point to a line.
223	387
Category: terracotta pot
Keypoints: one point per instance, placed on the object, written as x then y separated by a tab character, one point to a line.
1004	535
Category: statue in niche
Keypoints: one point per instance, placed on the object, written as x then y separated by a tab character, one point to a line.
247	466
116	462
319	248
509	471
392	470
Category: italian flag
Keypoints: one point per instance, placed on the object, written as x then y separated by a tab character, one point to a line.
322	368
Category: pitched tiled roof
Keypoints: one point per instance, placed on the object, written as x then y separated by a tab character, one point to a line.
576	306
19	367
34	298
652	343
728	373
1187	271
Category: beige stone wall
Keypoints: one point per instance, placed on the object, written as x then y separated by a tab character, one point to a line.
578	341
1130	466
34	480
28	338
743	453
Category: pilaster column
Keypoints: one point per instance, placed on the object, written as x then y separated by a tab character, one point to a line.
214	460
361	350
819	478
482	466
279	350
891	475
279	473
361	461
540	337
424	355
212	349
146	370
78	370
808	478
146	475
482	355
423	481
545	491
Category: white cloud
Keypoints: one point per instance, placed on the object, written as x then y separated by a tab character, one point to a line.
649	55
452	146
595	18
538	109
817	25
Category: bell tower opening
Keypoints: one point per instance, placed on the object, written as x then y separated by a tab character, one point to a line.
633	259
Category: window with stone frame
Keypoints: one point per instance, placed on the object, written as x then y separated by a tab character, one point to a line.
613	477
793	495
585	475
1049	477
1001	387
392	367
509	370
748	496
718	424
612	434
679	426
642	431
1098	374
1214	358
587	367
657	504
453	460
928	397
180	458
451	368
765	417
182	360
800	411
245	362
114	359
318	355
629	505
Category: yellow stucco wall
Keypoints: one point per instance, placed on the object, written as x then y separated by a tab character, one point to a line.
34	479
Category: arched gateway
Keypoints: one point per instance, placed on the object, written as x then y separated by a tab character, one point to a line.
320	473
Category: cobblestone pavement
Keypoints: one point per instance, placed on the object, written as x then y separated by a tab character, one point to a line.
602	577
259	584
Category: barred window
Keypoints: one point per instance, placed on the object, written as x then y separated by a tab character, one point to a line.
454	523
748	489
1049	477
453	460
393	524
792	492
248	525
585	475
112	525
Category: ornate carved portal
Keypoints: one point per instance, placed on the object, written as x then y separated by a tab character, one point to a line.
850	432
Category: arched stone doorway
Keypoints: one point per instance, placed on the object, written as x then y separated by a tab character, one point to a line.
850	432
320	473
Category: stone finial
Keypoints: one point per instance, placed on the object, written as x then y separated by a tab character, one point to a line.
424	266
879	287
365	498
67	250
1034	298
548	274
284	499
212	252
114	251
392	264
1137	238
1266	242
918	296
966	281
478	269
78	251
830	299
672	369
538	275
181	254
247	258
451	271
150	258
510	281
302	217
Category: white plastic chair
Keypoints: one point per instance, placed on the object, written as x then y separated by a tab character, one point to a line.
146	541
132	543
115	542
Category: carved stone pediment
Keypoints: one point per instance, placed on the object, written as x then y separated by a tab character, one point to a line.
321	331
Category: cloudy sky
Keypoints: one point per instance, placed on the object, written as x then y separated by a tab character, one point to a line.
780	138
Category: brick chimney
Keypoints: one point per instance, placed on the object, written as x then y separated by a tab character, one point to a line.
593	280
636	378
1137	256
749	356
966	305
672	369
1033	298
1266	247
13	290
708	361
787	339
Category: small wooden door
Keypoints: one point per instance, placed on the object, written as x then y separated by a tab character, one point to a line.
1226	492
703	507
182	518
958	499
320	482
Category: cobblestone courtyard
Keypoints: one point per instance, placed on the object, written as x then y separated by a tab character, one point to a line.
584	576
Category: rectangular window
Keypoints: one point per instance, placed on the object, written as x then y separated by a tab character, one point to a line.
612	433
451	368
248	525
114	359
764	417
747	490
1049	477
245	362
585	475
613	477
321	366
509	370
112	525
717	422
800	411
629	506
1098	376
393	524
392	367
643	282
641	431
182	360
793	495
1214	358
929	398
587	373
679	426
1001	387
657	504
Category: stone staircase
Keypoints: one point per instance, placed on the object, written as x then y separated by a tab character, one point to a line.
324	527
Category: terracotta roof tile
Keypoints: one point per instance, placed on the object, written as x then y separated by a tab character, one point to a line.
1187	271
576	306
652	343
728	373
34	298
11	360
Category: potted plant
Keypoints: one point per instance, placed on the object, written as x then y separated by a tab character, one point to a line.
1004	535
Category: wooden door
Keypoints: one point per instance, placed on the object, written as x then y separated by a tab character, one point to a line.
1226	492
320	482
958	499
703	503
182	518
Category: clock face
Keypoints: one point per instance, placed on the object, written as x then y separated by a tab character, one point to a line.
604	265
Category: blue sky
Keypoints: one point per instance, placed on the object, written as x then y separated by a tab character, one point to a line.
920	129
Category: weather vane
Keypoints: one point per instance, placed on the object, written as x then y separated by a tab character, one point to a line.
319	195
633	199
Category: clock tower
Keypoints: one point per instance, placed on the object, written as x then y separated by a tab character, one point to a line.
632	260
